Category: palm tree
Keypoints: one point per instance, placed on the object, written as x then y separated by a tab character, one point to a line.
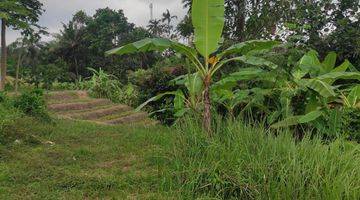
155	27
168	17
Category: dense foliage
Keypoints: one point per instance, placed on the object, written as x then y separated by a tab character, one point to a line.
261	100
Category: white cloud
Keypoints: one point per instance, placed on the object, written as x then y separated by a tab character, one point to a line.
137	11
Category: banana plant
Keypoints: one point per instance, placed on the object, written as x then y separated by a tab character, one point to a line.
183	101
352	100
317	80
226	93
208	22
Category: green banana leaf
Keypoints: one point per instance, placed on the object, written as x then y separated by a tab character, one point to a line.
354	95
231	81
329	62
300	119
153	44
309	63
208	21
155	98
248	46
333	76
320	86
343	67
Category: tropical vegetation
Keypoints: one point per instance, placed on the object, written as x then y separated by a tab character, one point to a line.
236	100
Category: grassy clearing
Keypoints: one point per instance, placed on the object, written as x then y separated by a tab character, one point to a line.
86	161
89	161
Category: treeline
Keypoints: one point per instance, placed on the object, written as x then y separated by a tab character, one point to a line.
321	25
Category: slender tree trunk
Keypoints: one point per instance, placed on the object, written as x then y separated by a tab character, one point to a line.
76	69
3	55
207	106
17	74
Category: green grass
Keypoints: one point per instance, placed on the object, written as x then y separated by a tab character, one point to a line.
89	161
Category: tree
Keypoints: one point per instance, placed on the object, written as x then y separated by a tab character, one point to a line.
84	39
155	27
72	45
20	51
246	20
168	18
21	15
208	21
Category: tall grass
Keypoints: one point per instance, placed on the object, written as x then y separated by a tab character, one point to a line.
243	162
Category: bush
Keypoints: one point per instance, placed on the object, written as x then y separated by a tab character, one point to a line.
351	123
242	162
2	97
7	116
32	103
128	94
154	81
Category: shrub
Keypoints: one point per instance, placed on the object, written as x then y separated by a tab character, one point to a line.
2	97
8	117
243	162
128	94
154	81
351	123
32	103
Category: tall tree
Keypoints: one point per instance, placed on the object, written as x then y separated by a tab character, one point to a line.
155	27
82	42
167	18
21	15
72	45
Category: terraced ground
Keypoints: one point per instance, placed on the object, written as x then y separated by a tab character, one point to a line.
78	105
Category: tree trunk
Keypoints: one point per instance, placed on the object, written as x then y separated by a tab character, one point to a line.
76	69
17	74
3	55
207	106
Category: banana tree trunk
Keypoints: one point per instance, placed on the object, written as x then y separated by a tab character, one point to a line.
207	106
3	55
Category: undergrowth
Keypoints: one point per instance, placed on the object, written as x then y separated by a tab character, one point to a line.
247	162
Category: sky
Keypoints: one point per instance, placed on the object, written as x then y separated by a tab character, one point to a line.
137	11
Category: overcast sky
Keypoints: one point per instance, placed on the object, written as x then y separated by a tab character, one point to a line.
137	11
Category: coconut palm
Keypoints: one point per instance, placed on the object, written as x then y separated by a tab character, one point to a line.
156	27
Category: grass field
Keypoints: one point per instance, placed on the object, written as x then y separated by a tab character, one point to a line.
83	160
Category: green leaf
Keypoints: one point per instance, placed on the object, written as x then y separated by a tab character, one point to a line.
343	67
329	62
354	95
4	15
249	46
333	76
252	60
194	84
147	44
208	22
310	63
155	98
312	105
239	97
221	95
300	119
157	44
231	81
321	87
179	103
290	121
311	116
